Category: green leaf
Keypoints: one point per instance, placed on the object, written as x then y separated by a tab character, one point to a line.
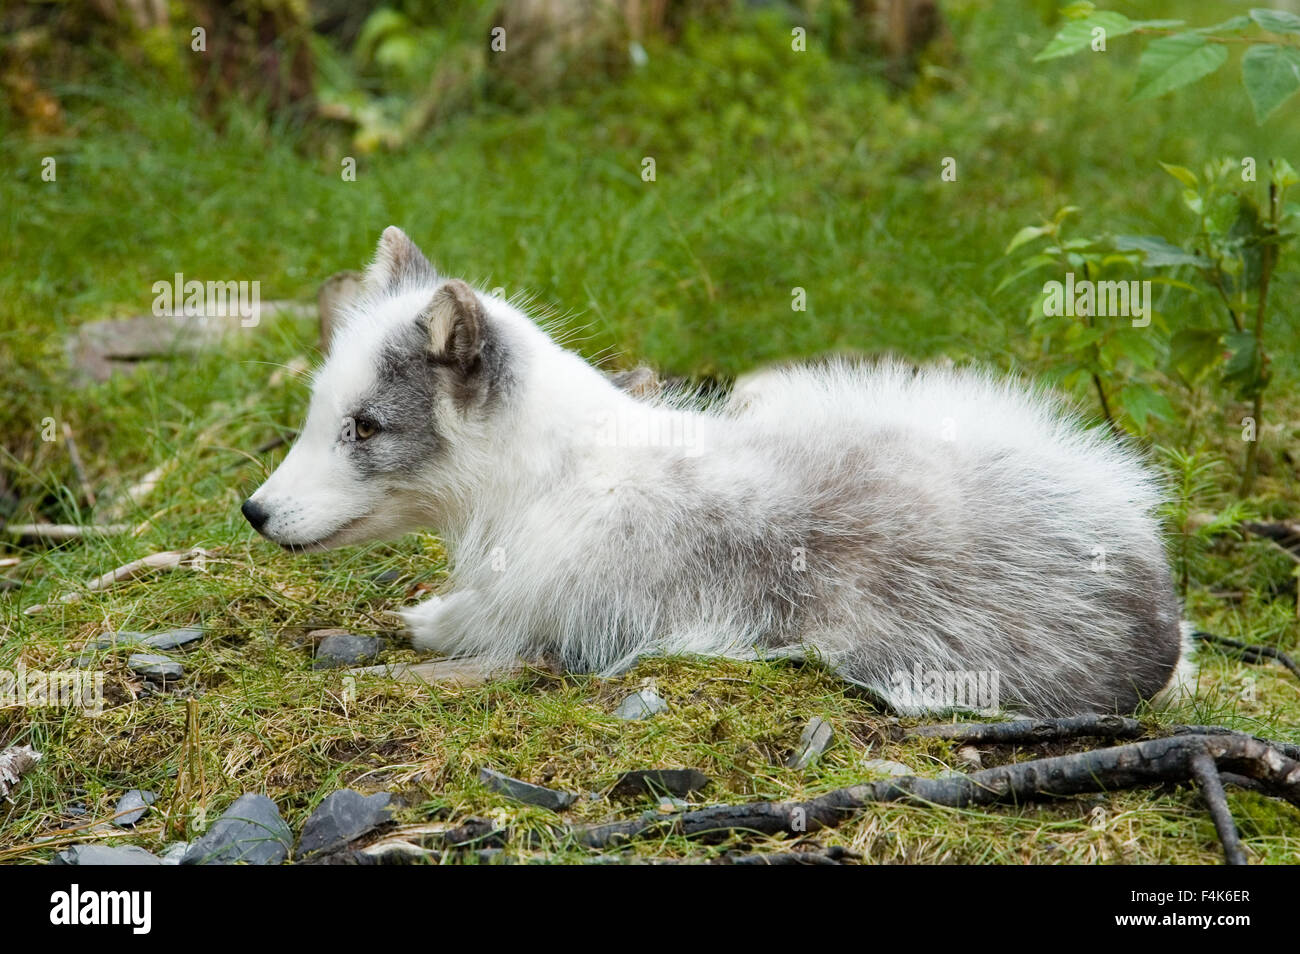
1027	234
1174	61
1031	265
1230	25
1186	176
1156	252
1194	352
1284	174
1076	35
1174	283
1272	76
1078	10
1140	402
1276	21
1244	369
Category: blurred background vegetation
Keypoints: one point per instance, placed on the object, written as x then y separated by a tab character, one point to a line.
211	138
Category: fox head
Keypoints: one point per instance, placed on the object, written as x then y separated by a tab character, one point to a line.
415	373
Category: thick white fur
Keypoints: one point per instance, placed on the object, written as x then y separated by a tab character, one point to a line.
873	516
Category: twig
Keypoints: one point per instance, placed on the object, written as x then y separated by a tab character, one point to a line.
1154	761
1034	731
1206	774
1285	533
1031	731
64	531
162	562
77	467
834	855
1251	653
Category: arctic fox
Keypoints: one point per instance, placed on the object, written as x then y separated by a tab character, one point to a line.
903	527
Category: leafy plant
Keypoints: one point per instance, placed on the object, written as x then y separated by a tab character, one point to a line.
1196	513
1078	339
1231	254
1270	65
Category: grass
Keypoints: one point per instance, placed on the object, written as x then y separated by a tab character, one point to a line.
772	172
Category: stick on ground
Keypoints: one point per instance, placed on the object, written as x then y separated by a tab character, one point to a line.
1151	762
1206	774
1251	653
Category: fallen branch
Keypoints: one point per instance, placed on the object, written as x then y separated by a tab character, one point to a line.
156	562
1206	774
1036	731
1285	533
64	531
1032	731
1151	762
1251	653
460	671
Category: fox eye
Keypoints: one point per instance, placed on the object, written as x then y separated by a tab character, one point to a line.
360	428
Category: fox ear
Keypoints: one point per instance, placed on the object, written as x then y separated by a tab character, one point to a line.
399	263
454	320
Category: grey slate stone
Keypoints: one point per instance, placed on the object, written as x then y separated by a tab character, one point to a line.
134	803
816	737
250	831
154	666
678	782
641	705
174	638
342	817
105	855
174	852
526	792
346	649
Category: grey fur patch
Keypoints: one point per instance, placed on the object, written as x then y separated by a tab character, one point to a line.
404	404
404	400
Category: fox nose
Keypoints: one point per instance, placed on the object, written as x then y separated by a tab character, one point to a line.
255	514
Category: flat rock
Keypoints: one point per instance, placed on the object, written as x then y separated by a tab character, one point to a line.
105	855
346	649
109	641
816	737
123	637
342	817
174	638
174	852
154	666
886	767
467	671
641	705
678	782
526	792
97	350
132	806
250	831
